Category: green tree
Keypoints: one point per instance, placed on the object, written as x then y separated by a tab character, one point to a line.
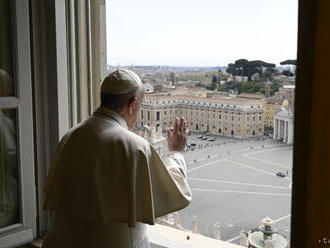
253	87
274	87
289	62
172	77
287	73
243	67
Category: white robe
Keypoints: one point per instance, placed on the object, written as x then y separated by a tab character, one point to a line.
105	178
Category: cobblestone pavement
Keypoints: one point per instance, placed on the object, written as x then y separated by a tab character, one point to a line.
234	183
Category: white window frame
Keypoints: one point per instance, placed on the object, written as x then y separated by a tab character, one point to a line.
24	231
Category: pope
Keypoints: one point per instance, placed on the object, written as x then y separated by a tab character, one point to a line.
106	183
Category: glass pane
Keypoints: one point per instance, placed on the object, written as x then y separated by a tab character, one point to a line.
6	49
9	179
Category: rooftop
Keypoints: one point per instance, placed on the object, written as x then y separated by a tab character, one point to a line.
229	100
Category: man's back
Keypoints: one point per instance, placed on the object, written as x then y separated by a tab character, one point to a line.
105	182
107	176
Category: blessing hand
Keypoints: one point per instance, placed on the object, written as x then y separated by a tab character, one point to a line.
177	138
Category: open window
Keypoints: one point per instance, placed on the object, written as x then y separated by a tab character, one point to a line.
40	99
17	180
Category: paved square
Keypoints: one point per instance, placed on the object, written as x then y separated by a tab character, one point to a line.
234	183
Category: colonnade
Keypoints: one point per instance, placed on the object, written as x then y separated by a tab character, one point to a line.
283	130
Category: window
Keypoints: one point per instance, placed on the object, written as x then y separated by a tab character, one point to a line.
158	116
17	190
23	111
245	127
148	115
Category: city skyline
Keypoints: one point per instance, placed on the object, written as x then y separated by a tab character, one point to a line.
200	33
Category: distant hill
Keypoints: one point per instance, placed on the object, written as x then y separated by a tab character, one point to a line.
170	68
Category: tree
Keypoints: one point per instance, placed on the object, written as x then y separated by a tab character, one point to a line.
287	73
289	62
243	67
172	77
214	79
274	87
253	87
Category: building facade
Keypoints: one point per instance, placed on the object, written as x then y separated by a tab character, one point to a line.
274	103
225	116
271	106
284	123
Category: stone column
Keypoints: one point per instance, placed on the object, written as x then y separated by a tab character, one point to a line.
285	131
275	129
290	132
279	129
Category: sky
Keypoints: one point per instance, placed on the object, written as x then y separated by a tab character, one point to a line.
200	32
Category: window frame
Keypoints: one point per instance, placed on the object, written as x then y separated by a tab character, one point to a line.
24	231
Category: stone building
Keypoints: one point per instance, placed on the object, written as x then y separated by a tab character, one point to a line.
192	92
271	105
274	103
284	123
226	116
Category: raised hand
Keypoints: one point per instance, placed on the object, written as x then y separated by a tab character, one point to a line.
177	138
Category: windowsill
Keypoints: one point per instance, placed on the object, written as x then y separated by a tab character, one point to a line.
161	236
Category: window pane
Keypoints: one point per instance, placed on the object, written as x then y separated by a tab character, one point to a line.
6	49
9	180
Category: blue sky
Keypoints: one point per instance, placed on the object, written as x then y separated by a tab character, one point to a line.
200	32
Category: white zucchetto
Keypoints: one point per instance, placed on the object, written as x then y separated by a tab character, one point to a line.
121	82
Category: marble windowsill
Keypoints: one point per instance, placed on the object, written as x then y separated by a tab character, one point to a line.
161	236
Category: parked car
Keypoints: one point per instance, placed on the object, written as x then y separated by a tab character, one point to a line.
280	174
204	138
211	139
207	134
193	144
200	136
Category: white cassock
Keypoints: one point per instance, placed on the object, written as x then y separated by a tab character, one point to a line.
105	182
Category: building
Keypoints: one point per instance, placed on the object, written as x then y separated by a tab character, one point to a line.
274	103
193	92
271	105
226	116
283	123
